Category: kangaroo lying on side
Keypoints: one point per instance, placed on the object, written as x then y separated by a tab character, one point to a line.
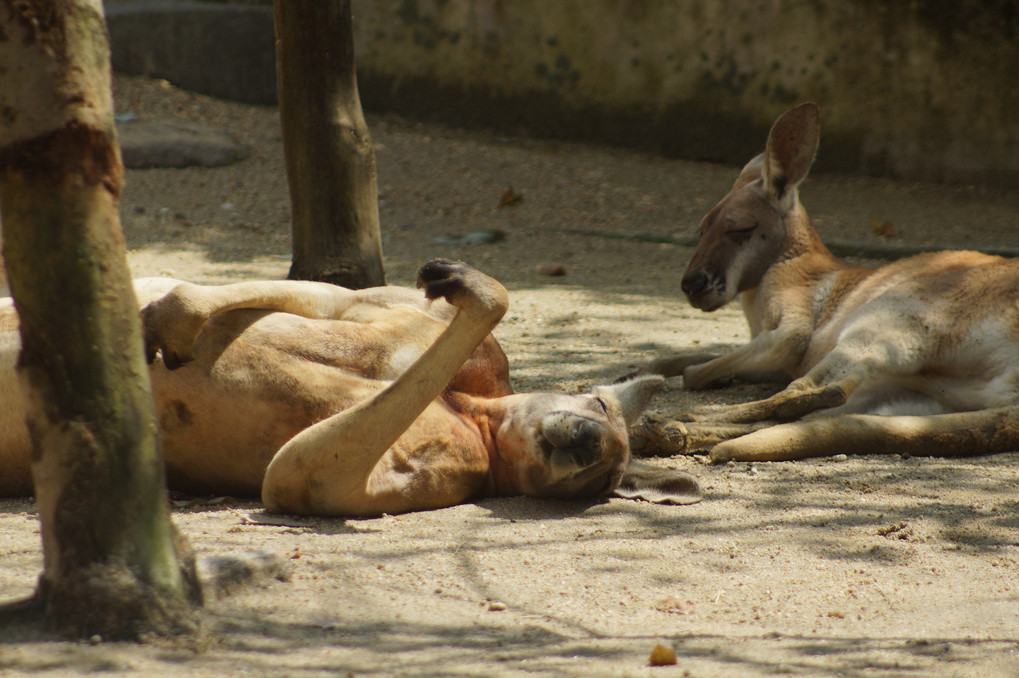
931	342
329	401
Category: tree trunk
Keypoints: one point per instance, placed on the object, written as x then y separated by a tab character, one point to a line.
330	162
112	562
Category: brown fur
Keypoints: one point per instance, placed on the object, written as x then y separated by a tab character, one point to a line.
932	339
337	402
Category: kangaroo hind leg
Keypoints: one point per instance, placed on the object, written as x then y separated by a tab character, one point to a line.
958	434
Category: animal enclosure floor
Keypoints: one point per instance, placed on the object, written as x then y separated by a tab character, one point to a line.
856	566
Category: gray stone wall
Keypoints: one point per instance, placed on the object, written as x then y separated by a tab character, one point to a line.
926	89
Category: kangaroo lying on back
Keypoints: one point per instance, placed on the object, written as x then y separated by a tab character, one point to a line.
331	401
931	342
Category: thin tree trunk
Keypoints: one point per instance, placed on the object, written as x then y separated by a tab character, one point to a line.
112	562
330	161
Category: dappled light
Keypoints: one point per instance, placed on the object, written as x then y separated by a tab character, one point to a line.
855	565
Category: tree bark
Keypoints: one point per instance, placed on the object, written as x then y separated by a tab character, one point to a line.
112	562
329	157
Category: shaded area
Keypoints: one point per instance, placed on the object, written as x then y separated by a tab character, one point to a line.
865	567
699	81
580	581
435	182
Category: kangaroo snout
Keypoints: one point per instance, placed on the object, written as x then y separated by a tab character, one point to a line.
562	429
704	291
695	283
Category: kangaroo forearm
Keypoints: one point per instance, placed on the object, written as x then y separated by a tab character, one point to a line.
765	354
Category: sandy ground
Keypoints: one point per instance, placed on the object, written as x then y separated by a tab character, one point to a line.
868	566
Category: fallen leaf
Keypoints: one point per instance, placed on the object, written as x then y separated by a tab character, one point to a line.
274	520
509	197
884	229
674	605
662	655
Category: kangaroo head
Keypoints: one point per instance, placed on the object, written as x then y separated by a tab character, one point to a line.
559	445
751	228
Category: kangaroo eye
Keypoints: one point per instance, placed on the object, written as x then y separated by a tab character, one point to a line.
740	226
740	231
602	405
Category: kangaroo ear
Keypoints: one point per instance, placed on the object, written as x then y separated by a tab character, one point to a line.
792	145
633	395
658	485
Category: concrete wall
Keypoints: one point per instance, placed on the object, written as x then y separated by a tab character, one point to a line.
927	89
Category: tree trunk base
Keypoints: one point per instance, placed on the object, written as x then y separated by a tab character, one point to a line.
109	601
349	274
111	604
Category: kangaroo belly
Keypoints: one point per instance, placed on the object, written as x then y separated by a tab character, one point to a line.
258	378
912	355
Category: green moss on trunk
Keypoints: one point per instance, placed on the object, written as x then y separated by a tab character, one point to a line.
113	564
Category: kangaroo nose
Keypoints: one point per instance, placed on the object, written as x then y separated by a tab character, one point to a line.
564	430
694	283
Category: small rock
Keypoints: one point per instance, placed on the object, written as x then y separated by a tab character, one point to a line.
551	268
220	575
496	606
176	144
840	457
484	236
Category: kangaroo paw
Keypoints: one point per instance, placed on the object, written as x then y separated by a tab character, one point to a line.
652	438
462	286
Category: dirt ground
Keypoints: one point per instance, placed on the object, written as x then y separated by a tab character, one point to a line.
864	566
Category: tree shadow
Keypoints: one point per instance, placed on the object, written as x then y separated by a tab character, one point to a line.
18	505
264	646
